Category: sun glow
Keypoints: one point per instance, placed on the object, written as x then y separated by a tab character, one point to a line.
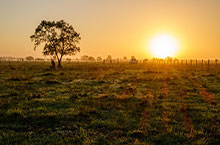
162	46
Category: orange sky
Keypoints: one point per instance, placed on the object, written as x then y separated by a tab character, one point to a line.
116	27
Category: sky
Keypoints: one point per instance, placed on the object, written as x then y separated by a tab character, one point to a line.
115	27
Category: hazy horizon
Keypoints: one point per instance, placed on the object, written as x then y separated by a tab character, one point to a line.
115	27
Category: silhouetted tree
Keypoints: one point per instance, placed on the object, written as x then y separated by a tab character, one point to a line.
68	59
85	57
59	39
91	59
168	58
132	57
145	60
99	59
109	57
39	59
125	58
29	58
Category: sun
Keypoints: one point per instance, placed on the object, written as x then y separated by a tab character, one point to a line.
163	46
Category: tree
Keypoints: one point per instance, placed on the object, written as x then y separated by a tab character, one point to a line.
91	59
29	58
68	60
85	57
132	57
145	60
125	58
109	59
168	58
99	59
59	39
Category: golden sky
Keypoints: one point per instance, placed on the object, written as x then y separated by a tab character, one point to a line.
116	27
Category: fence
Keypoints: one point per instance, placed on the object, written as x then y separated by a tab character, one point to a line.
185	62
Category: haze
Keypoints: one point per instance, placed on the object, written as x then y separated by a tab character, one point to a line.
116	27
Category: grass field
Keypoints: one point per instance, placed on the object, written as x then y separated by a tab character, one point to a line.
108	104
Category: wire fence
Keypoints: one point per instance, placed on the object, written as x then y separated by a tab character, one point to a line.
181	62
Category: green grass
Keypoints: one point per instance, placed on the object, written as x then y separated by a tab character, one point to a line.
108	104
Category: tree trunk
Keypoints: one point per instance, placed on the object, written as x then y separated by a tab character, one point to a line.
59	63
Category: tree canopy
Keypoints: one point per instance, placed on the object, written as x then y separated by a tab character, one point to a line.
59	39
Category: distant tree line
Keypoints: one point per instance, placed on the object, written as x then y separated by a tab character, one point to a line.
132	60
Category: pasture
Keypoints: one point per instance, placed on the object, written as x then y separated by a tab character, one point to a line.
91	103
